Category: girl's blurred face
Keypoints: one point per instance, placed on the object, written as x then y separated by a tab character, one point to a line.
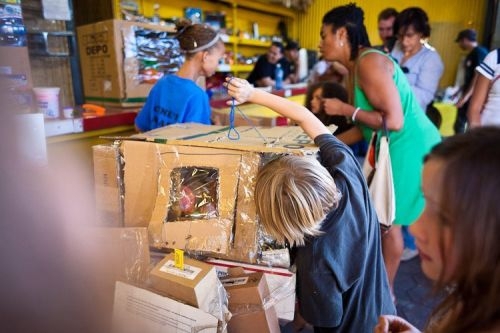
211	59
433	234
410	40
316	100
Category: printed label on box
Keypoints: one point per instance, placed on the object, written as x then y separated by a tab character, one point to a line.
189	272
238	281
276	257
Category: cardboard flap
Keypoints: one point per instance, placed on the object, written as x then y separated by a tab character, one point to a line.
141	174
107	185
235	271
280	139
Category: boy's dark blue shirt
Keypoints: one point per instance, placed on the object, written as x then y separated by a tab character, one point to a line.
341	279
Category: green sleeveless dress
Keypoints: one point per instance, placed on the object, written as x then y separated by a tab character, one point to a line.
407	146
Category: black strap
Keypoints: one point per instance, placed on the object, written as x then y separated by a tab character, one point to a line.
384	127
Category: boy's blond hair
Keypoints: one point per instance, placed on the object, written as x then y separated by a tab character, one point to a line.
293	194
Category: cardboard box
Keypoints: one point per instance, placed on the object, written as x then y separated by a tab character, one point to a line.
197	284
108	185
212	177
139	310
233	232
138	207
113	71
281	283
248	302
160	170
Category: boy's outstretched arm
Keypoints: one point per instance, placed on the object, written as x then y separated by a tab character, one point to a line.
242	92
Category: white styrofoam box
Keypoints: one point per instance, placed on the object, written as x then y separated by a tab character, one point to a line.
78	125
63	126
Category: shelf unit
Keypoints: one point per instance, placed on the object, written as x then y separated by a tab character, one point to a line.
235	43
240	15
240	68
39	42
53	52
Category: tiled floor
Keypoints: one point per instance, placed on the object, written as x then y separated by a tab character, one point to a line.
415	299
413	290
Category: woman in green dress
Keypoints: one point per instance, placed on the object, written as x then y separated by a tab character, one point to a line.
380	91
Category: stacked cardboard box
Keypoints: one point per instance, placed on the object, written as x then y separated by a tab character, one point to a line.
280	281
250	304
195	284
114	71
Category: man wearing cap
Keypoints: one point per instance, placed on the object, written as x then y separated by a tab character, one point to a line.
467	41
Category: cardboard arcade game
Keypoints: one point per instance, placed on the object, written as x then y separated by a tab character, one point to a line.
192	185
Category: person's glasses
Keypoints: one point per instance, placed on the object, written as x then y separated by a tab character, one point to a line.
405	69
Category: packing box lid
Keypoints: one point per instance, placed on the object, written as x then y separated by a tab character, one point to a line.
246	288
250	304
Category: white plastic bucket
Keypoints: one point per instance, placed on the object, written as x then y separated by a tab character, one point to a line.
47	99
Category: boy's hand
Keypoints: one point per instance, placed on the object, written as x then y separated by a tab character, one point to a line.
239	89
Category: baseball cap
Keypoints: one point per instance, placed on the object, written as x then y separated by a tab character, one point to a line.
470	34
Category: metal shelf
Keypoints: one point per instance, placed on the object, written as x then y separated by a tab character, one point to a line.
40	34
235	68
39	43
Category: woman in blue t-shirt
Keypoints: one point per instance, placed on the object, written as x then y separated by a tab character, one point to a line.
176	98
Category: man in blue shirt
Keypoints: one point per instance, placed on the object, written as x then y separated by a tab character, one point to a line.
262	74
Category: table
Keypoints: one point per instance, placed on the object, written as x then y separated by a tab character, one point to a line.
258	115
